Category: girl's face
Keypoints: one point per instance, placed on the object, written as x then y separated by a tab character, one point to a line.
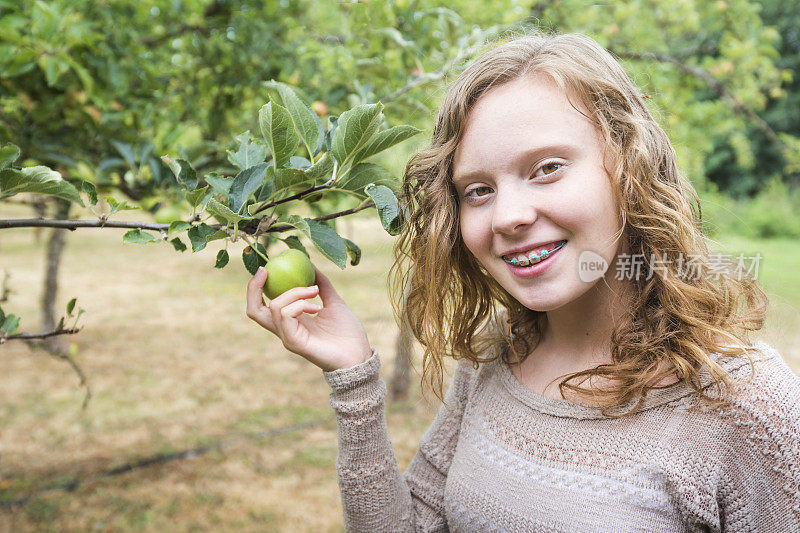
529	175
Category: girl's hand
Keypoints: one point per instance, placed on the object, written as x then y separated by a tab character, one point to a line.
332	339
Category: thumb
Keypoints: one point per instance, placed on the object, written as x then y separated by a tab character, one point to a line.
326	291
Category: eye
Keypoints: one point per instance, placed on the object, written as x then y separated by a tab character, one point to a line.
469	192
548	168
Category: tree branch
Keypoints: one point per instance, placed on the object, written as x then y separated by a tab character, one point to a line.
714	84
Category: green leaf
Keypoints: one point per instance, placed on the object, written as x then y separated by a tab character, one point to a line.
251	152
287	177
388	207
245	184
178	226
8	154
383	140
118	206
363	174
90	190
137	236
305	121
10	324
196	196
328	242
183	171
252	260
278	131
293	242
300	163
41	180
355	128
220	184
71	306
2	316
353	251
265	192
297	222
321	168
221	211
178	245
199	235
222	259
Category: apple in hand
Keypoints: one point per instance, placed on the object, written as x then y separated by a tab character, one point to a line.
288	270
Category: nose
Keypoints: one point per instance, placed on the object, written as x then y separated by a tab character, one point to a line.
513	210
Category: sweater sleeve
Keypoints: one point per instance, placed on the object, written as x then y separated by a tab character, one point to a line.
375	495
761	491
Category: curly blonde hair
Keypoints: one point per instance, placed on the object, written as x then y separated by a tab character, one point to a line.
448	299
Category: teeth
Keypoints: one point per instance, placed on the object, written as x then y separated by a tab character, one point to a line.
533	257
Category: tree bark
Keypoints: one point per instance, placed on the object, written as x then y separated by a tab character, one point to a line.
55	247
404	353
401	377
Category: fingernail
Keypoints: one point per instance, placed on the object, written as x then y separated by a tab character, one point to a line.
315	287
261	270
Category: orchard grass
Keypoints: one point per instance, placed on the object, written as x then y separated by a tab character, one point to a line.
174	364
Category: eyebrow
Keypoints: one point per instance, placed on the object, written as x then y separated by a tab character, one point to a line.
532	154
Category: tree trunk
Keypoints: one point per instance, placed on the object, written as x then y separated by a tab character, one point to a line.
55	247
404	353
401	377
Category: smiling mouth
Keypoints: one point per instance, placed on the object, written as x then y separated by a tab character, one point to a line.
532	257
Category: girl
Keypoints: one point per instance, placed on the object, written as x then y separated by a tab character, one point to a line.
605	379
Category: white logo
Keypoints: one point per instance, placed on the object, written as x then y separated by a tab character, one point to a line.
591	266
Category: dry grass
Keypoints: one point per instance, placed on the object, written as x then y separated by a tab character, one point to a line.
174	363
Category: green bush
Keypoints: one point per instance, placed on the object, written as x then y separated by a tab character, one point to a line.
774	212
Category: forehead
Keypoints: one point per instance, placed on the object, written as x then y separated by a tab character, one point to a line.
521	116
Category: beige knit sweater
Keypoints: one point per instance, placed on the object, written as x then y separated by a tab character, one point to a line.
500	457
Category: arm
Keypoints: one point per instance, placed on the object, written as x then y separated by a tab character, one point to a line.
375	495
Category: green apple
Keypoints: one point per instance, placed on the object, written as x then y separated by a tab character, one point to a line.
288	270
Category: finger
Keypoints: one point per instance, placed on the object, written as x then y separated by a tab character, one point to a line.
292	295
326	291
290	323
256	308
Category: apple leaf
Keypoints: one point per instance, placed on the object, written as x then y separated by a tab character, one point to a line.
355	128
293	242
71	306
220	184
90	190
222	259
10	324
363	174
178	245
199	235
278	131
39	179
196	196
353	251
245	184
388	207
328	242
221	211
117	205
306	122
251	152
137	236
8	154
178	226
184	173
252	260
383	140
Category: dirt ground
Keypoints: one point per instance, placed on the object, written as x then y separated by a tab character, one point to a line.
174	364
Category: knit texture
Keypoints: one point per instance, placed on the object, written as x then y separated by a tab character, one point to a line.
500	457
